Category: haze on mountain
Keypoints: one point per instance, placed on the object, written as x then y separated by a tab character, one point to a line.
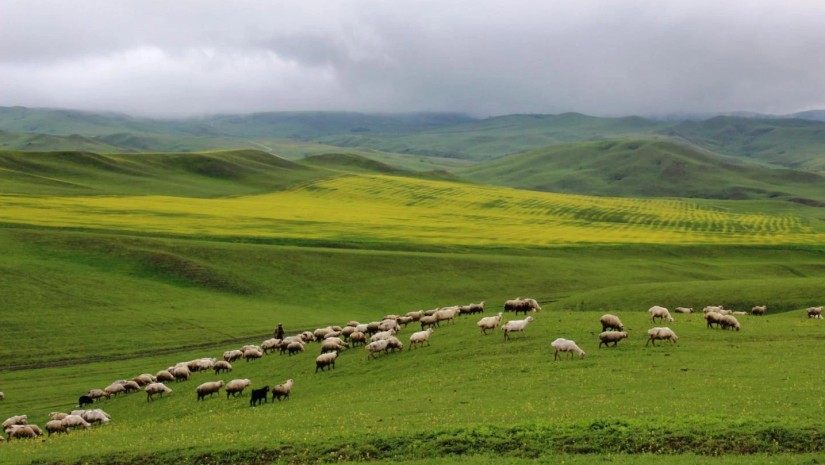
481	57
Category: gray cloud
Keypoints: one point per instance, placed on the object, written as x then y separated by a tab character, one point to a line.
603	57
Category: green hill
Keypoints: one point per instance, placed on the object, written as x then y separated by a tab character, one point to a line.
646	168
206	174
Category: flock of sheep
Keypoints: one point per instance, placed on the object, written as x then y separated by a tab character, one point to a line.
376	337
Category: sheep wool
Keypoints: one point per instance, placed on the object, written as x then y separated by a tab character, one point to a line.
490	322
566	345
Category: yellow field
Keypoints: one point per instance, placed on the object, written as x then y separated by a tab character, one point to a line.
401	210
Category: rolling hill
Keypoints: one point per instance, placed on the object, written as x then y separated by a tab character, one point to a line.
646	168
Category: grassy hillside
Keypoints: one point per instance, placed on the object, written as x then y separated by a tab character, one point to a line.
645	168
793	143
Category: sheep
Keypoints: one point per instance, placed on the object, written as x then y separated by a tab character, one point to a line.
515	326
222	366
521	305
382	335
661	333
55	426
156	388
209	387
236	387
729	322
321	332
740	313
16	420
815	312
490	322
2	395
164	376
358	338
446	314
420	337
258	396
430	312
393	343
131	386
23	431
306	337
232	355
362	328
609	321
566	345
93	416
659	312
181	373
374	347
389	324
333	345
295	347
347	331
606	337
97	394
282	390
270	345
759	310
714	318
471	309
144	379
250	346
352	324
405	320
712	308
415	315
115	389
325	360
428	321
373	327
84	400
75	421
684	310
57	415
201	364
252	354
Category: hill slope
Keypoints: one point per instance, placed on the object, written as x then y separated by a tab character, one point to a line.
645	168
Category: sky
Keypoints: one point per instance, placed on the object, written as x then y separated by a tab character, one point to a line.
484	58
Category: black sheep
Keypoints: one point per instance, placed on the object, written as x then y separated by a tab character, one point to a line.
258	395
84	400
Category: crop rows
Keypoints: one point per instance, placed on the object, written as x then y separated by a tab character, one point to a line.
393	209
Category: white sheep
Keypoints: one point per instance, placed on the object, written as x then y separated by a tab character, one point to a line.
659	312
609	321
521	305
606	337
144	379
93	416
96	394
325	360
181	372
659	334
393	344
490	322
252	354
57	415
75	421
515	326
114	389
232	355
333	344
23	431
815	312
16	420
374	347
729	322
236	387
282	390
156	388
713	318
684	310
428	321
712	308
420	337
270	345
382	335
55	426
358	338
759	310
162	376
447	314
209	387
566	345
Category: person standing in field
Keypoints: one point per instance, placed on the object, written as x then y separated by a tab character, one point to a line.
279	332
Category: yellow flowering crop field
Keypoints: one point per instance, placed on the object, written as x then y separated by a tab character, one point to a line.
388	209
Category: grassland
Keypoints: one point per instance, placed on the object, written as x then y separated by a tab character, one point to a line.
101	287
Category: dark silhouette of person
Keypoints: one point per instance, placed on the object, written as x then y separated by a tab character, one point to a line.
279	332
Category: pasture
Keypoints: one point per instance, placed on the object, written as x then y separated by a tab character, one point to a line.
99	288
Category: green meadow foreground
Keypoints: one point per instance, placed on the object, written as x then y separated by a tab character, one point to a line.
97	288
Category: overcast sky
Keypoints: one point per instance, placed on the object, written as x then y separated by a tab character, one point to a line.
600	57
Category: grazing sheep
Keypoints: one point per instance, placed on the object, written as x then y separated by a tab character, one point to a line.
374	347
181	373
515	326
295	347
415	315
209	387
428	321
609	321
253	354
714	318
232	355
382	335
659	334
393	344
333	344
405	320
57	415
420	337
759	310
358	338
373	327
490	322
684	310
115	389
566	345
739	313
729	322
321	332
471	309
347	331
23	431
282	390
362	328
144	379
446	314
201	364
270	345
606	337
712	308
55	426
75	421
82	401
389	325
236	387
156	388
659	312
16	420
306	337
93	416
131	386
164	376
521	305
814	312
325	360
222	366
97	394
258	396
